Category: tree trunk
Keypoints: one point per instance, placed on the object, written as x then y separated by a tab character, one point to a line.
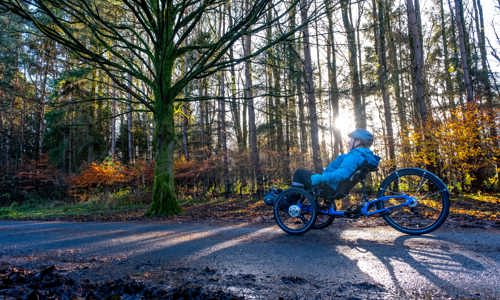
417	55
252	130
302	121
362	87
382	75
448	82
186	111
353	66
222	134
113	123
272	114
454	46
333	94
164	201
395	71
47	61
319	90
130	144
235	108
222	119
291	123
459	15
309	89
484	74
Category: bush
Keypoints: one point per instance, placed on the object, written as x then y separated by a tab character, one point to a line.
458	148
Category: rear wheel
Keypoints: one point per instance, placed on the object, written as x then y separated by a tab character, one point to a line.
295	211
430	208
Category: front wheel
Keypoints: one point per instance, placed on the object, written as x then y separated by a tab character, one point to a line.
430	208
295	211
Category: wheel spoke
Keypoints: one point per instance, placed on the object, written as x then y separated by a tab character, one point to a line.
431	201
295	224
420	184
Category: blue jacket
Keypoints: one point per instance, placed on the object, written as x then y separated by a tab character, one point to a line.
344	166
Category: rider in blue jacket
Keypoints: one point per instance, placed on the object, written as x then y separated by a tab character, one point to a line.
339	170
345	165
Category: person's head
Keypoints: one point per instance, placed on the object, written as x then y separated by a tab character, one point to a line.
360	138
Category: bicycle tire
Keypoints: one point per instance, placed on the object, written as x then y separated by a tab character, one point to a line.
295	211
432	200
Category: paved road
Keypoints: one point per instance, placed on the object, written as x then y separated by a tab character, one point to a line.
260	261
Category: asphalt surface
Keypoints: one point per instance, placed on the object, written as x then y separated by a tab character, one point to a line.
261	261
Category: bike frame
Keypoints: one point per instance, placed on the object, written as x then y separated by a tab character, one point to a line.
409	201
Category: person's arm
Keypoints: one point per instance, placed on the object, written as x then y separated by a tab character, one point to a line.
351	162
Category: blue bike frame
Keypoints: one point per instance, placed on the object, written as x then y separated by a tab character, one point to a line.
408	201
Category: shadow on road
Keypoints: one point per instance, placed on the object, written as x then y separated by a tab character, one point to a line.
262	259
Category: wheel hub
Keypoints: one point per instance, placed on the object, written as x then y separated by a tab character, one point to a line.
294	211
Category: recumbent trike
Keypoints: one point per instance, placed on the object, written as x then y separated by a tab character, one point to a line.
411	200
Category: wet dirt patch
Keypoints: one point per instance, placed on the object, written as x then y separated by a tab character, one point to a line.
51	283
293	280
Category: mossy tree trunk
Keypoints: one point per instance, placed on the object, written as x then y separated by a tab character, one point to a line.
164	200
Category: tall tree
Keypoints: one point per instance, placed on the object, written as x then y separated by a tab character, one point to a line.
309	88
417	56
464	51
249	100
379	15
222	115
155	34
359	109
333	94
395	70
444	40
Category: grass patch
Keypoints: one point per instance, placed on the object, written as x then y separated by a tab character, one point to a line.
77	211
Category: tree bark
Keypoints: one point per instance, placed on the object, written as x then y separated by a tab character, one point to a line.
455	58
113	121
130	144
235	108
47	61
484	74
186	112
252	130
302	121
309	89
444	39
222	120
395	72
353	66
382	75
222	134
164	200
417	55
333	94
292	129
459	16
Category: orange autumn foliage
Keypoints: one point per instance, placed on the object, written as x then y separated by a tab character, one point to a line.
110	175
459	148
107	173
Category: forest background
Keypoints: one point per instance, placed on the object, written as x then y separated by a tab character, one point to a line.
255	102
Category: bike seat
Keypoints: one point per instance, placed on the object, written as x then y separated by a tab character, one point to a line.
344	187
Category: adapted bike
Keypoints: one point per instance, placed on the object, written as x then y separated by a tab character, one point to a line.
411	200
